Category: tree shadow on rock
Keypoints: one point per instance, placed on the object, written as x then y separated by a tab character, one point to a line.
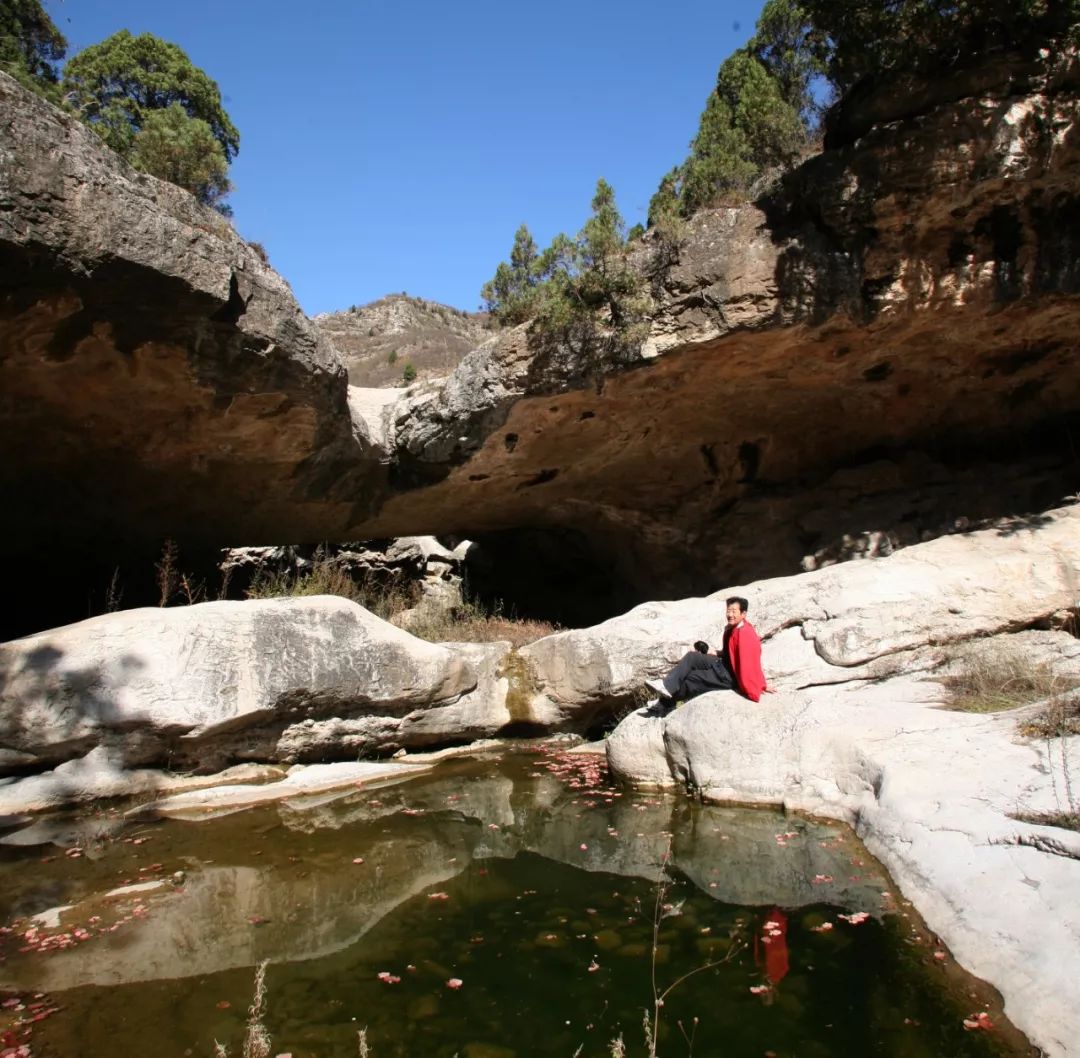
49	714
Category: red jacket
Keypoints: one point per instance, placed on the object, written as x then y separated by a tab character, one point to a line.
743	647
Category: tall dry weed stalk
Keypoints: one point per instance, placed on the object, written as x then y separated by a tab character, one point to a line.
226	577
662	909
257	1039
257	1042
167	572
1057	723
114	594
1060	713
193	590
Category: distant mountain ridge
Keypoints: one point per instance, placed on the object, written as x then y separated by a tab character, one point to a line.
376	341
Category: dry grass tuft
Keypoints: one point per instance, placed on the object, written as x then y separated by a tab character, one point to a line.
469	622
473	623
988	680
326	577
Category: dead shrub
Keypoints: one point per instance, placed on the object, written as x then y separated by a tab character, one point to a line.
1060	717
472	622
327	577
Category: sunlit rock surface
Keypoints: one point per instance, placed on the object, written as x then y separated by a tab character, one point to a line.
853	621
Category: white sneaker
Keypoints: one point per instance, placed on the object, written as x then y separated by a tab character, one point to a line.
657	685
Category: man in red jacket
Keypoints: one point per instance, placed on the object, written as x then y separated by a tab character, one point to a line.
742	650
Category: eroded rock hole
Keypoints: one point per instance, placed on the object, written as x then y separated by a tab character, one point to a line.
549	474
749	461
878	373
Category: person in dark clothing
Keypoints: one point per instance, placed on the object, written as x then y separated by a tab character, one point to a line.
697	672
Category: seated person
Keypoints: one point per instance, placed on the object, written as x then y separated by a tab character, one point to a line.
742	651
736	667
697	672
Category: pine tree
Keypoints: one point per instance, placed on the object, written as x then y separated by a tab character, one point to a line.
784	43
31	46
182	150
747	127
511	294
116	85
580	294
865	38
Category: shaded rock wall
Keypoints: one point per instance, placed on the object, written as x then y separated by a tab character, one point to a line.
156	378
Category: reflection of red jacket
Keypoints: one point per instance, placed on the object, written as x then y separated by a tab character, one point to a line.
776	958
743	648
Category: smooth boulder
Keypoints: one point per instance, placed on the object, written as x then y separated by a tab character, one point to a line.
203	686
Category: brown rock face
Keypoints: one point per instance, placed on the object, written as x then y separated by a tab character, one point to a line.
884	344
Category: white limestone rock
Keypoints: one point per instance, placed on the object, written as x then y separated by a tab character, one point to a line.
100	775
857	620
201	686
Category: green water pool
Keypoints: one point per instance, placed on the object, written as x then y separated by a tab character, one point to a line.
507	904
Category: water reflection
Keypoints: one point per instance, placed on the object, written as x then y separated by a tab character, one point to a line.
514	874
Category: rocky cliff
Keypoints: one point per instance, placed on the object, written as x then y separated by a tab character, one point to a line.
840	368
376	341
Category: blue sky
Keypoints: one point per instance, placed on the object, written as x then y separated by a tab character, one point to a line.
390	145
